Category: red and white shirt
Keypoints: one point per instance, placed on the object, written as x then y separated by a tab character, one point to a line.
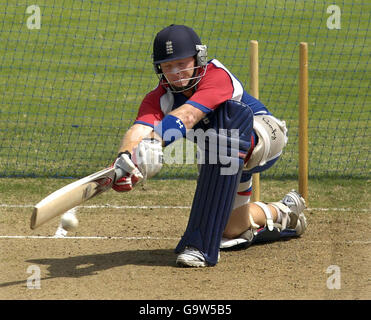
216	86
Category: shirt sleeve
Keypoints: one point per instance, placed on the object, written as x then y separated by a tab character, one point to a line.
214	88
150	109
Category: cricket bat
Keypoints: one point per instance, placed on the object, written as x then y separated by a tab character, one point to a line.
71	196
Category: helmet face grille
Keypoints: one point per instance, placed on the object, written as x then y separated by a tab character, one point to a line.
198	74
175	42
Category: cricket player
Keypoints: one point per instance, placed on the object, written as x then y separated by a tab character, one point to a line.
241	136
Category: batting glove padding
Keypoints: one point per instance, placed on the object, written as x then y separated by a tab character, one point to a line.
127	174
148	156
126	183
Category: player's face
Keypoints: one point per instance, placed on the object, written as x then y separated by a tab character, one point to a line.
179	72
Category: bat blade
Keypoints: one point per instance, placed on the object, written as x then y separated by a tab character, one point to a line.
71	196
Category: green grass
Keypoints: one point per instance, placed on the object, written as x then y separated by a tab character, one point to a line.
339	193
69	91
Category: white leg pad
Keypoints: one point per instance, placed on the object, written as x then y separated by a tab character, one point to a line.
267	213
240	200
285	213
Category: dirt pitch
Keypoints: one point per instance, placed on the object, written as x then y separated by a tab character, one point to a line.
132	257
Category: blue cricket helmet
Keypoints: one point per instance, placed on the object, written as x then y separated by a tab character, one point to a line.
177	42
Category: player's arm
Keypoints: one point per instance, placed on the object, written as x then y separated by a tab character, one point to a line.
175	124
142	145
134	136
188	114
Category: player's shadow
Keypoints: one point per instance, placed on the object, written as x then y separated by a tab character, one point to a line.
86	265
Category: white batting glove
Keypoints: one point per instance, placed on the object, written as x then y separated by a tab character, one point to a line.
127	174
148	156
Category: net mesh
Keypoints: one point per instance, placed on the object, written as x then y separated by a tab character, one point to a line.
74	72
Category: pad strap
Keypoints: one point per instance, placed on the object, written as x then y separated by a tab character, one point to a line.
252	222
267	213
285	213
